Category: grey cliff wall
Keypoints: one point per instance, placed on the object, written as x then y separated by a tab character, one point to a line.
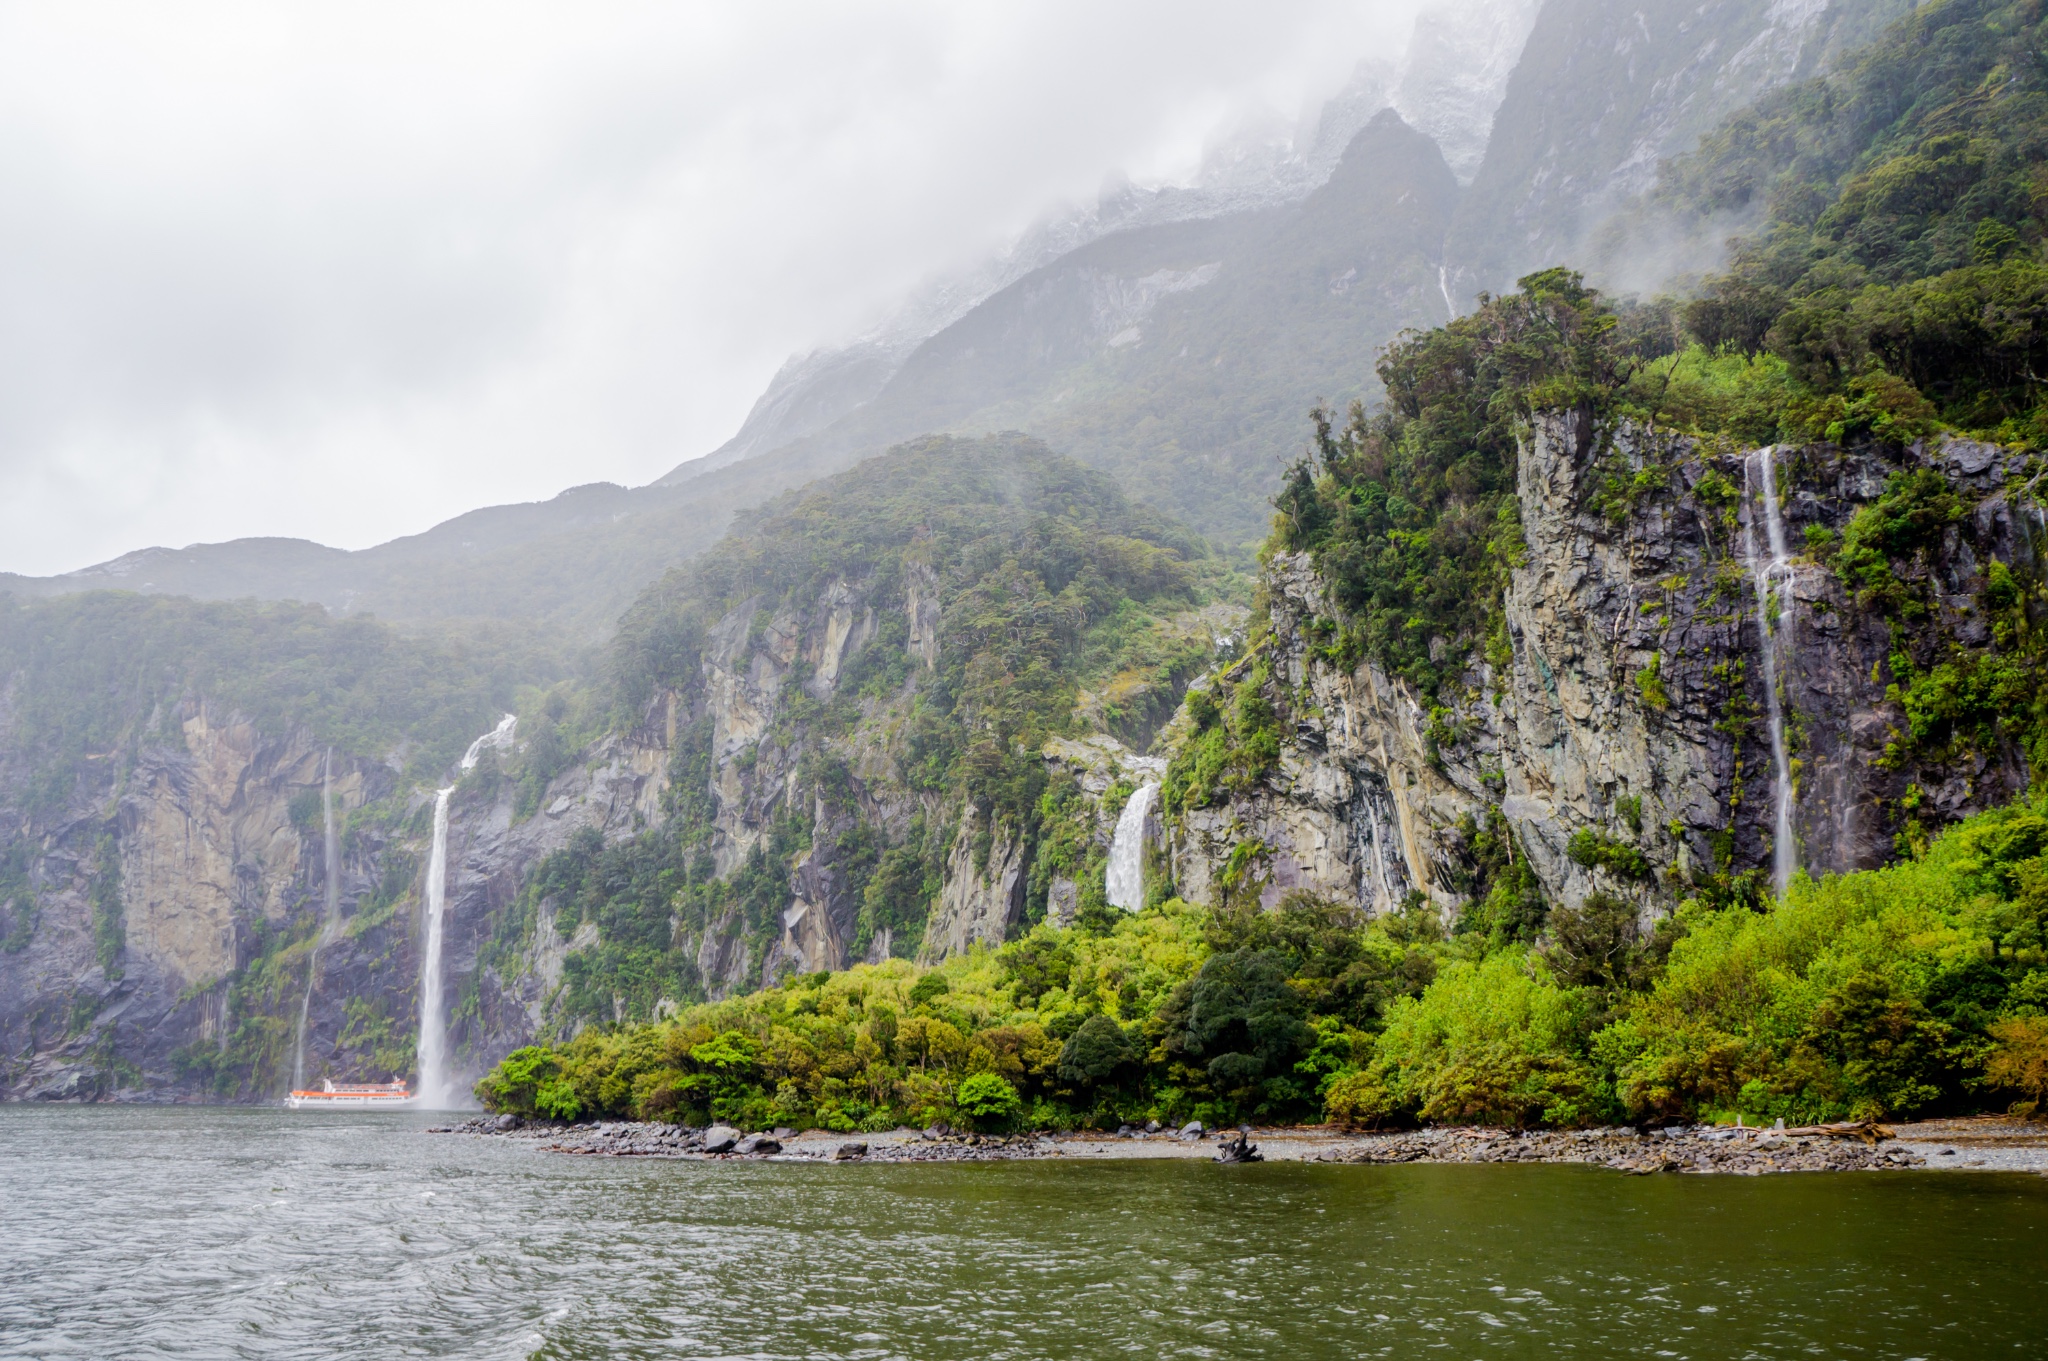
1375	797
174	968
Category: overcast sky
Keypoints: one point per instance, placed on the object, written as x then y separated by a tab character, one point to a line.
343	271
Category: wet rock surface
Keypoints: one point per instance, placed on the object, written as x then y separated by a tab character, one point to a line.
1629	700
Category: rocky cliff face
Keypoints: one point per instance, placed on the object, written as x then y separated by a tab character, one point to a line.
1622	727
170	931
774	756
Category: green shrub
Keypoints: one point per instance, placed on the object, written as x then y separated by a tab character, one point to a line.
1863	995
1597	850
989	1100
1357	1099
1892	992
2020	1062
1243	1021
514	1085
1489	1043
1096	1053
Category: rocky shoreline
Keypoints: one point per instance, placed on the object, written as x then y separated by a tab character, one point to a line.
1983	1144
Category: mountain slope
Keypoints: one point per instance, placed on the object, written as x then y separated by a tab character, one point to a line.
1106	332
1447	82
1129	353
1605	92
1181	358
565	567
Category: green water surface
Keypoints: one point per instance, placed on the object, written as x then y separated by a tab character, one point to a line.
208	1233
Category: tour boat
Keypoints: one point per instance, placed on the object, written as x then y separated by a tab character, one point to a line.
349	1095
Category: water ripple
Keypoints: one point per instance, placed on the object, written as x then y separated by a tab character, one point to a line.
222	1233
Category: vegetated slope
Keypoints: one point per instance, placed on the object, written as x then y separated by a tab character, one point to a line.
1179	357
1554	527
1894	288
89	678
1901	257
859	685
1917	990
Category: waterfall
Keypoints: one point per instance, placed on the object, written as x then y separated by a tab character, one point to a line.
1443	283
1125	883
333	848
330	920
1772	578
433	1045
433	1016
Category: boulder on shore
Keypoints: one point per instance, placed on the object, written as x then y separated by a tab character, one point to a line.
720	1139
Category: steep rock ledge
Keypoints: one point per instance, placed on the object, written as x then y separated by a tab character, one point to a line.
163	949
1624	703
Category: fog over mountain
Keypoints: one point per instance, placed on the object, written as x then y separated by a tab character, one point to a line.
1171	325
1446	81
344	274
1289	569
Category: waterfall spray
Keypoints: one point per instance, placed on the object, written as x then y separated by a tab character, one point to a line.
1772	579
433	1045
330	920
1125	882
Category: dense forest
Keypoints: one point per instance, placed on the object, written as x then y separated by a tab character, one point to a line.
1913	990
1893	291
1052	604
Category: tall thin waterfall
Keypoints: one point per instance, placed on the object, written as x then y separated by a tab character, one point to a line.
333	848
1125	883
1772	578
433	1046
330	920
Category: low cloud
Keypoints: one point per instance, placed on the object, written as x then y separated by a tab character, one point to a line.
340	272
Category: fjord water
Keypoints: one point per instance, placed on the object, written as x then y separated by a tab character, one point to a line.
230	1233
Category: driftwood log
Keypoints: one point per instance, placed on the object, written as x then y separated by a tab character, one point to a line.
1239	1150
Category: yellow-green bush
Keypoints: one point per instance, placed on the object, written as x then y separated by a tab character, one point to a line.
1918	988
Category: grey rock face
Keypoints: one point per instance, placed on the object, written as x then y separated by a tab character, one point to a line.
721	1139
1632	703
213	870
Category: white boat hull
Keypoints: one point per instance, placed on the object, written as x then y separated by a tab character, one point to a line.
322	1101
350	1096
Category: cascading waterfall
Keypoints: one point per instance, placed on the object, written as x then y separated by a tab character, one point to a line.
1125	882
1772	578
433	1045
333	847
1443	283
330	920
